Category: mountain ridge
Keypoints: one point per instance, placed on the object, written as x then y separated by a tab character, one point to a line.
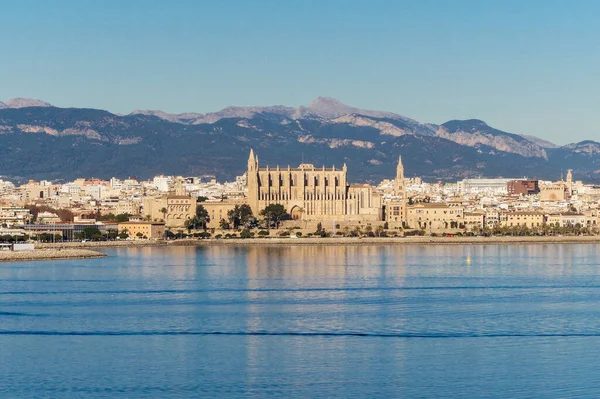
75	142
21	102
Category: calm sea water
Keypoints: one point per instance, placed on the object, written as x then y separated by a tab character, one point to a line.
519	321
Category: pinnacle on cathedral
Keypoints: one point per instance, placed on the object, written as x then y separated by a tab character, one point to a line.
400	169
252	160
399	185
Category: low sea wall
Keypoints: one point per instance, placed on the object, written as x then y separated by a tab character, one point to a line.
332	241
404	241
106	244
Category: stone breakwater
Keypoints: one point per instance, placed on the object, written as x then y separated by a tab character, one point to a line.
334	241
48	254
109	244
404	241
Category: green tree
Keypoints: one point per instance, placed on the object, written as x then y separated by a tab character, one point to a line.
109	217
123	217
89	233
223	224
240	215
274	214
202	216
245	214
199	220
164	211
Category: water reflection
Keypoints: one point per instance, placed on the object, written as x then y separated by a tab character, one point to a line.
344	321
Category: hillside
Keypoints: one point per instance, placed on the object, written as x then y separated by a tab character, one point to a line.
65	143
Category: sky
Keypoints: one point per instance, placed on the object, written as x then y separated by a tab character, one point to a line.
528	67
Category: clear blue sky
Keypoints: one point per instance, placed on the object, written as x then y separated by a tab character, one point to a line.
525	66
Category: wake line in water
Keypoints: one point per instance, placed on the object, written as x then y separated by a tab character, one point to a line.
300	290
15	314
297	334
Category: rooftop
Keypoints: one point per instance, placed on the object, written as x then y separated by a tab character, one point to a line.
145	222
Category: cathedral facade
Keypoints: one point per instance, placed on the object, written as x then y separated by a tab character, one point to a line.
312	194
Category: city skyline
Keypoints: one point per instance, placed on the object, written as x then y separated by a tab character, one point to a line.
528	67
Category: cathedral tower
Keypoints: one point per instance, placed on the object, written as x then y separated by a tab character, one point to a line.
570	182
399	184
252	181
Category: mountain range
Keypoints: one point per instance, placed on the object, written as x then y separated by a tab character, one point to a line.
40	141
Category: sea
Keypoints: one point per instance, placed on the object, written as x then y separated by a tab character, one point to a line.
368	321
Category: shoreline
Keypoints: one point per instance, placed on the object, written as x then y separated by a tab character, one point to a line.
49	254
330	241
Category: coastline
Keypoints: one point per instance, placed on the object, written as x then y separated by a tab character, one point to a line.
49	254
331	241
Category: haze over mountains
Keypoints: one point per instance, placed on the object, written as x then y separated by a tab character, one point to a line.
38	140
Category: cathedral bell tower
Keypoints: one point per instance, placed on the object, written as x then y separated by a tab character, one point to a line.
252	182
399	186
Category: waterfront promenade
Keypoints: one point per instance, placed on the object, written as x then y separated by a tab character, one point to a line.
332	241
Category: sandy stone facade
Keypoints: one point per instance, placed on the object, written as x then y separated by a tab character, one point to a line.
151	230
435	217
527	219
173	209
217	211
554	192
309	193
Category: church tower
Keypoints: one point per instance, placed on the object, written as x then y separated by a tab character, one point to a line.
252	182
179	189
399	184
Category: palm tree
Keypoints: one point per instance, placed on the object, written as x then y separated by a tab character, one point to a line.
163	210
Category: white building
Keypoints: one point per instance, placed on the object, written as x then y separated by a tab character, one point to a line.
491	186
162	183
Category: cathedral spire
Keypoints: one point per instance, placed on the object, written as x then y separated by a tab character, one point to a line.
399	187
252	161
400	169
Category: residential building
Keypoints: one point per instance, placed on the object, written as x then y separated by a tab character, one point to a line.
435	216
143	229
523	187
527	219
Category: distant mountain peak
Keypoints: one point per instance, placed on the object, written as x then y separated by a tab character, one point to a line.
326	102
20	102
330	108
2	105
